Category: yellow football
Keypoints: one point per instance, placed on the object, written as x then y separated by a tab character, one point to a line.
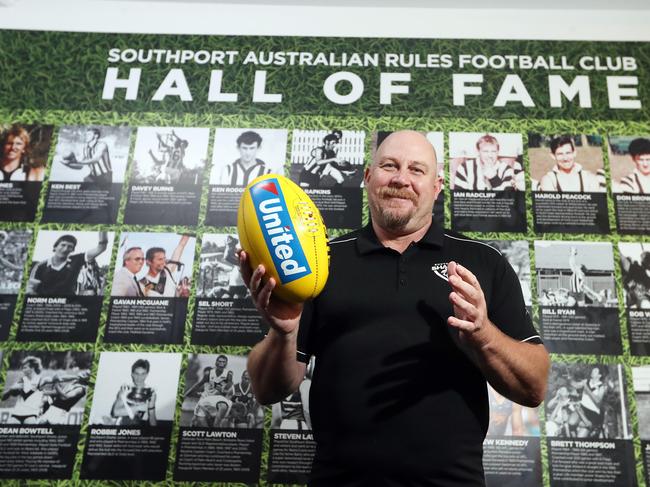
279	226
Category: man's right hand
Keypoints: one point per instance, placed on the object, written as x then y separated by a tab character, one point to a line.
282	316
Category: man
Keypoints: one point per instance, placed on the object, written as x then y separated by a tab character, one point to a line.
162	276
95	156
28	392
170	167
215	402
125	280
488	172
638	181
398	395
245	411
135	404
567	175
68	390
247	167
325	168
636	281
59	275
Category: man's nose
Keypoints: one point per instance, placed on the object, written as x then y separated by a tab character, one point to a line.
400	178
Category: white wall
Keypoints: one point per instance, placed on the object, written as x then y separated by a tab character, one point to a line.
210	17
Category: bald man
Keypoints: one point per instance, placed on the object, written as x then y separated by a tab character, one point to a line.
411	324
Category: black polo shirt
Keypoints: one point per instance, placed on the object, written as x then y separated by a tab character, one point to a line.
394	399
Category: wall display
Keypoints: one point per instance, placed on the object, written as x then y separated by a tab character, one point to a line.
641	381
131	416
629	158
87	174
65	287
41	409
328	165
569	183
588	426
185	121
487	182
220	434
224	313
151	286
167	176
14	245
24	156
577	297
239	156
512	449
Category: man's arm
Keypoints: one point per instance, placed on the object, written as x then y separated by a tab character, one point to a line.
178	252
517	370
198	384
151	410
275	372
101	247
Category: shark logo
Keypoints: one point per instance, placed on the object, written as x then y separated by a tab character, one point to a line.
440	270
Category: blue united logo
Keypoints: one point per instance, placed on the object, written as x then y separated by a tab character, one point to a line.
279	235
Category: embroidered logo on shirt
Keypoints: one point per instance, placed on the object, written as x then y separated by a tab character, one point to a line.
440	270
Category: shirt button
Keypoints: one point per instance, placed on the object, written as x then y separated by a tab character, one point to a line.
402	282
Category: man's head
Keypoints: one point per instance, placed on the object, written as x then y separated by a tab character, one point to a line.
156	259
564	152
402	183
64	246
92	133
133	259
640	152
31	365
139	372
248	144
488	149
221	363
331	140
245	378
15	143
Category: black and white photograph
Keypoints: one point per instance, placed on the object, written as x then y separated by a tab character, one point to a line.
224	314
23	161
576	292
437	140
240	155
588	427
641	381
487	180
329	166
65	286
131	416
218	393
14	245
152	282
221	421
517	253
167	175
87	174
635	273
629	162
569	183
291	435
41	408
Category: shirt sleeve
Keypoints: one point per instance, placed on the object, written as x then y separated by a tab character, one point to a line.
306	332
507	309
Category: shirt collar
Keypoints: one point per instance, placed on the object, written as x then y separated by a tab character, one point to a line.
367	240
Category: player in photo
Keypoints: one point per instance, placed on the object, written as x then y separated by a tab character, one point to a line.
578	274
169	158
586	401
567	175
13	254
638	181
66	273
125	280
325	167
245	411
219	269
247	166
292	412
16	162
489	170
635	267
45	387
94	157
163	277
66	391
135	403
215	401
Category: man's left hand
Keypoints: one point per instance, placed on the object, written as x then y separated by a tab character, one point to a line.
470	311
